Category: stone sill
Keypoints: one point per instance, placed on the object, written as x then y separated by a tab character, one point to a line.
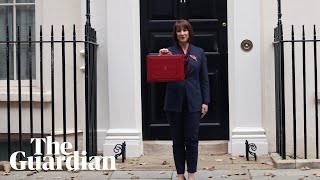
25	94
294	163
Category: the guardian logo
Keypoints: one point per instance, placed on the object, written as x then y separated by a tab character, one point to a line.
61	155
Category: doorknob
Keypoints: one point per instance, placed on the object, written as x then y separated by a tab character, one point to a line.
224	24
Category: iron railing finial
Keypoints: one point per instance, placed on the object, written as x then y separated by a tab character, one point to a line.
88	12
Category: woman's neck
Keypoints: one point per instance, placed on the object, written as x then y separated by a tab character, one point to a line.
184	47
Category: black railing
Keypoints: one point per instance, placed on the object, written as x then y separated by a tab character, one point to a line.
91	90
282	57
23	137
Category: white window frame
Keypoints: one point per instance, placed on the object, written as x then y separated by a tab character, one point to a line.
14	82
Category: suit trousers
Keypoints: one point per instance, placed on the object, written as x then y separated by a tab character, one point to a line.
184	128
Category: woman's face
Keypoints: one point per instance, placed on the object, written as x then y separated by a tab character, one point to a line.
182	35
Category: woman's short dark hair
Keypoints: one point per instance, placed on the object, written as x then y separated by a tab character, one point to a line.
182	24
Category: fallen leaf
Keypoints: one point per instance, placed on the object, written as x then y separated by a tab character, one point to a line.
7	168
218	160
121	167
236	173
57	177
233	158
241	155
205	168
106	173
162	172
230	174
244	166
307	168
30	173
130	173
143	163
165	163
268	174
5	174
243	173
130	162
135	177
317	174
262	162
224	176
40	177
210	177
211	168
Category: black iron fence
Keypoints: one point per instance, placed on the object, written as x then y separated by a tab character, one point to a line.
301	53
61	64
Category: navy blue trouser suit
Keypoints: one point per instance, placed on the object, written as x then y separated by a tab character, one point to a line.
183	105
184	128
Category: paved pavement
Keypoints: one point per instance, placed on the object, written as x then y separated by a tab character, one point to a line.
222	167
291	174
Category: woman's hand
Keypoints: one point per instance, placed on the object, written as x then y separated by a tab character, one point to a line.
204	110
164	51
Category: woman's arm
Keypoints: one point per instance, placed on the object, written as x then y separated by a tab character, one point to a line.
204	84
204	80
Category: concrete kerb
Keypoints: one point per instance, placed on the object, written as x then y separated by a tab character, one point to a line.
294	163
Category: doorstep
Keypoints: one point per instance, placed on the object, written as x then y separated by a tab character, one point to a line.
160	148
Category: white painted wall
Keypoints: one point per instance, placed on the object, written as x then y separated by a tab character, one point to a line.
296	13
244	19
124	76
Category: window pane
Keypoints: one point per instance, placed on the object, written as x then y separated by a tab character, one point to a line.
26	18
25	1
6	19
24	63
3	62
6	1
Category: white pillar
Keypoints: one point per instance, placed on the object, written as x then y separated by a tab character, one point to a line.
124	76
98	21
245	77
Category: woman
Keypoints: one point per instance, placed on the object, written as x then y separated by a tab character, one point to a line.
186	102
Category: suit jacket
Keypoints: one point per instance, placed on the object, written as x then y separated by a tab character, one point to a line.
195	86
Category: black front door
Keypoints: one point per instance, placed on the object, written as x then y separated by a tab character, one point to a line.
209	20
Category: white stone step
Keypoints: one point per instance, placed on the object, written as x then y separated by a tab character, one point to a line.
165	147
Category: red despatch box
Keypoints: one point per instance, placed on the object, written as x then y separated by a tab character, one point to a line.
166	68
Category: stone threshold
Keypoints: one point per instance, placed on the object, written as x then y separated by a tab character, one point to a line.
163	147
294	163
